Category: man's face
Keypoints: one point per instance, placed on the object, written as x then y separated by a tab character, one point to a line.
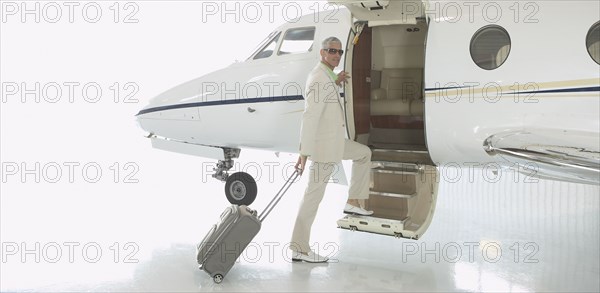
329	58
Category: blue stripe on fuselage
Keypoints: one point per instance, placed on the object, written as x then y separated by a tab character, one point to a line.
221	102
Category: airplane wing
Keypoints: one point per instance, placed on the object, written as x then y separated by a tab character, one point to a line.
553	154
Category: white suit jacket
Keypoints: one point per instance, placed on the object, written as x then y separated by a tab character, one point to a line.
323	129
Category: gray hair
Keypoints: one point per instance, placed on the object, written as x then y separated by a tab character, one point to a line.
326	42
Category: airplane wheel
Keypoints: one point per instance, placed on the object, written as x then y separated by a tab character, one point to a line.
240	189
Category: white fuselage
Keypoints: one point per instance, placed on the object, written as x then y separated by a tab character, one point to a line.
251	104
548	84
546	56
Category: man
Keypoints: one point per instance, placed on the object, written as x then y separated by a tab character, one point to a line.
323	140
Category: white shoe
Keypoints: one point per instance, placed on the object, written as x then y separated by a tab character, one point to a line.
350	209
310	257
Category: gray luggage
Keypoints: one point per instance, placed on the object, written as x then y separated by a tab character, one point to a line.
226	240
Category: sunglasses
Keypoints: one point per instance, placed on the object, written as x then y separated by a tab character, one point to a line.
335	51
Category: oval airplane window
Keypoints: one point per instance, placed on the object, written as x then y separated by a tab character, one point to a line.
490	47
592	42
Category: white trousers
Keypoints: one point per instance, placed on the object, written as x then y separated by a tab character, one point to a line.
319	176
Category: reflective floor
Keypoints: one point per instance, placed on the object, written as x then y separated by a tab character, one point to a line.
501	236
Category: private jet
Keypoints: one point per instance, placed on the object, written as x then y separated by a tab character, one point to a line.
434	84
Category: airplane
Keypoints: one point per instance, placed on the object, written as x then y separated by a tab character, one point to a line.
433	84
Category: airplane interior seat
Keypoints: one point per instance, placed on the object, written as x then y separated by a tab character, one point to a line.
594	50
502	55
398	97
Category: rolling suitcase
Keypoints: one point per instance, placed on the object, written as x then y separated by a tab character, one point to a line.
224	243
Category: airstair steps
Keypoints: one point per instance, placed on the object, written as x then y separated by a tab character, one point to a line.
399	178
405	155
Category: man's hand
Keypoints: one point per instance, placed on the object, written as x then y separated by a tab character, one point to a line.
342	77
300	164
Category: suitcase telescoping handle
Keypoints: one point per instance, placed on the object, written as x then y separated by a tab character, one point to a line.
278	196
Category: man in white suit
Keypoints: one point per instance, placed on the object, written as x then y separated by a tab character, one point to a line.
323	141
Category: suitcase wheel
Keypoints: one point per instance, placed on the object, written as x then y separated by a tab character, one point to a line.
218	278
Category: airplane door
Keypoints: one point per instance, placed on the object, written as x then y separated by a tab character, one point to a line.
384	98
359	67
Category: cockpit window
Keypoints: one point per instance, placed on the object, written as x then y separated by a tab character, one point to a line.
268	49
262	44
297	40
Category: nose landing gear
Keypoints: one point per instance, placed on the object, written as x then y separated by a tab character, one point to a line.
240	187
